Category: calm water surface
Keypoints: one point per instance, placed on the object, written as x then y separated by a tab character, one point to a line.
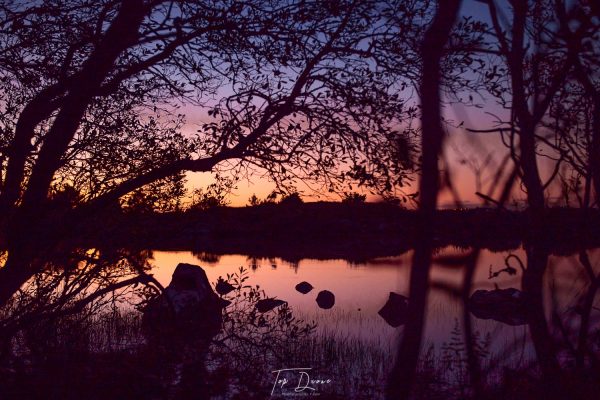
362	289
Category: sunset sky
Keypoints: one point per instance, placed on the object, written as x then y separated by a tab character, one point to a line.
463	150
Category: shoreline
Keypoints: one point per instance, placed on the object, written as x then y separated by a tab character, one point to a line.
355	232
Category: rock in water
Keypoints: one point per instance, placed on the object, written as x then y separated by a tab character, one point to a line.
304	287
187	307
223	287
503	305
325	299
265	305
395	310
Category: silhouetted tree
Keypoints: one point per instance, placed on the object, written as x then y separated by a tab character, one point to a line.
542	47
574	114
90	92
535	49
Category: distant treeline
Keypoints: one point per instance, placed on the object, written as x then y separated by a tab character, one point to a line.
351	231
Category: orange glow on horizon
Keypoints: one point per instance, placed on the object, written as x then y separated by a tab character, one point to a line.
461	151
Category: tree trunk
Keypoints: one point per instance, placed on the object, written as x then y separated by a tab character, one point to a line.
525	120
531	175
119	36
37	110
432	51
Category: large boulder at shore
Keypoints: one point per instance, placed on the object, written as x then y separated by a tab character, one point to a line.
395	310
188	306
503	305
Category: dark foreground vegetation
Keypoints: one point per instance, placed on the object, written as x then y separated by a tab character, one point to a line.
109	354
350	231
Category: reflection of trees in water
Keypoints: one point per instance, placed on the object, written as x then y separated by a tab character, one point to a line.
82	281
510	365
71	320
66	324
560	340
254	262
206	257
64	318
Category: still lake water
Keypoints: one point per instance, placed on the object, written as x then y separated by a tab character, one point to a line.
362	289
353	346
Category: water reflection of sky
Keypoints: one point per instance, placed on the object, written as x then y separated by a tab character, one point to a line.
361	290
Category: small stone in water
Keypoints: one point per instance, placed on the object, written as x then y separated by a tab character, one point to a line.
304	287
325	299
